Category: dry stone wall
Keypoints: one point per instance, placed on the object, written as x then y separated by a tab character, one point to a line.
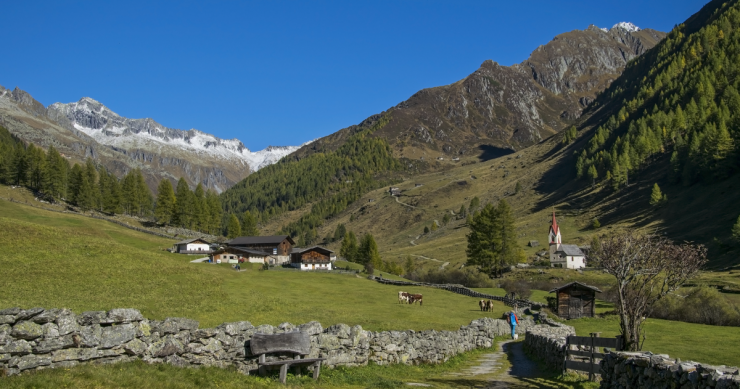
37	338
623	370
646	370
547	342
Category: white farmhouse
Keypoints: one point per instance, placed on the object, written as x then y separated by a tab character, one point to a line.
567	256
192	246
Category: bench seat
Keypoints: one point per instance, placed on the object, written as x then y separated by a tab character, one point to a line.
293	362
296	343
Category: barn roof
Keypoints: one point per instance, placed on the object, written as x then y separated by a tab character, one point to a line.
256	240
186	241
243	250
571	249
317	248
574	283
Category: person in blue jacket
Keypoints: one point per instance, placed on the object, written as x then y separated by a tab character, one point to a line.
513	320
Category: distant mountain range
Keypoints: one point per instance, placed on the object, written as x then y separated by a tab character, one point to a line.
88	128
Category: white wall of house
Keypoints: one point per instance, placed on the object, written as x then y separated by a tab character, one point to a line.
575	262
193	247
318	266
256	259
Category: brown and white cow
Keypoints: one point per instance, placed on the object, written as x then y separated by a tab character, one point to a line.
414	298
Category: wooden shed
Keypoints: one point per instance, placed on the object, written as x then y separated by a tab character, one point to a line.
576	300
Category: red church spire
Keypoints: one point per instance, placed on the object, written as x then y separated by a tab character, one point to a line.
554	224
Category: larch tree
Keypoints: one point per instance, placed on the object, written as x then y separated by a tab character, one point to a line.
492	239
233	228
348	249
165	206
656	196
184	205
368	252
249	225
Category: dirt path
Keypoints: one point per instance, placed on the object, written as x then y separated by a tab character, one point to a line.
507	367
444	264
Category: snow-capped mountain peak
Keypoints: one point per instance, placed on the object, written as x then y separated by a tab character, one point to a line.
627	26
94	119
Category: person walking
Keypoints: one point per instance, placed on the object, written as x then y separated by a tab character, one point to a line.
513	321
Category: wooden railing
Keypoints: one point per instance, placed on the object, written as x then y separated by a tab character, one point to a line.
588	360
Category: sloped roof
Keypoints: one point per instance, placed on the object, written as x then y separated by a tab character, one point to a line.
554	225
317	248
243	250
571	249
186	241
257	240
578	283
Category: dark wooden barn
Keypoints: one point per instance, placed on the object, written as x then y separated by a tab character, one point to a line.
576	300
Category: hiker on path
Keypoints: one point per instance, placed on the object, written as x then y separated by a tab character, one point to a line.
513	321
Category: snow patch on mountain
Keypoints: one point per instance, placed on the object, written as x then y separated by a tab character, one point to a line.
105	126
627	26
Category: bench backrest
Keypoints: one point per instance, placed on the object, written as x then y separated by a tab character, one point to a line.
293	342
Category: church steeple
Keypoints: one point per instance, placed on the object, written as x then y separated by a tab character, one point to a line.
555	238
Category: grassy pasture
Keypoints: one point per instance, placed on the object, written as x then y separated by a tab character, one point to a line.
64	260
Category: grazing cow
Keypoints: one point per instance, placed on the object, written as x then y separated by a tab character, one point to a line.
414	298
482	305
489	305
402	297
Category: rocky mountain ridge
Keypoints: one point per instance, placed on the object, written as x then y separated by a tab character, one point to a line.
498	109
87	128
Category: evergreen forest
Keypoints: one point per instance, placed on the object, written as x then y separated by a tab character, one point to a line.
330	180
681	98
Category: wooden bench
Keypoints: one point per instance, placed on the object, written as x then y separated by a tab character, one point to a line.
296	343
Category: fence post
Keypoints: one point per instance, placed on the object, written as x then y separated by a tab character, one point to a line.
565	360
592	360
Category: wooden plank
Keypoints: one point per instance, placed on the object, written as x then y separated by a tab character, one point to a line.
293	362
294	342
581	366
597	342
584	354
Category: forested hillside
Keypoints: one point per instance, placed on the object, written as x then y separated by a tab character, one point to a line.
681	98
330	180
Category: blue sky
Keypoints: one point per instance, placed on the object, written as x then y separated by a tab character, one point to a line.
279	72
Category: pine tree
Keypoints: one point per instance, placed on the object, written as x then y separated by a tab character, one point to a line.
165	206
461	213
426	230
113	202
595	223
20	165
518	187
492	239
215	212
85	198
144	199
434	226
339	232
474	203
200	216
249	225
593	175
92	178
656	197
184	205
736	229
408	266
368	252
349	247
233	229
445	219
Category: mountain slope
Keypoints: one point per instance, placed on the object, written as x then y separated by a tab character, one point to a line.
498	108
634	125
88	128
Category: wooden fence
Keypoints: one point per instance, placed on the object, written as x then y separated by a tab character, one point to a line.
582	353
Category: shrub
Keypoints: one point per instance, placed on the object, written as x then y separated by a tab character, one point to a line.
522	289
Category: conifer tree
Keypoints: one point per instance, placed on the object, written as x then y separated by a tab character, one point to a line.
474	204
92	178
184	205
339	232
165	206
368	252
233	229
408	266
518	187
736	229
249	226
56	177
20	165
144	197
112	202
461	213
349	247
445	219
492	239
200	215
593	175
36	167
215	211
656	197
